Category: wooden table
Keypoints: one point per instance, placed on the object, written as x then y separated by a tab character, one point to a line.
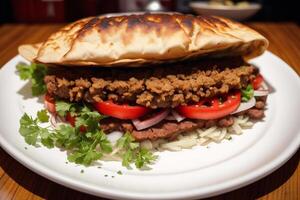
17	182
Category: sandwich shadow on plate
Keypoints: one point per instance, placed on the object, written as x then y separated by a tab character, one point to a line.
25	92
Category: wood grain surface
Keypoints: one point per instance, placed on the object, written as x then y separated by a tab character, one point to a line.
17	182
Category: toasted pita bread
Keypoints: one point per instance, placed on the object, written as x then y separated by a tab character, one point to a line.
135	40
29	51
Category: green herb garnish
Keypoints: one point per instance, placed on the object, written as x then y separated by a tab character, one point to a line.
83	147
119	172
36	73
31	130
132	153
247	93
43	116
62	108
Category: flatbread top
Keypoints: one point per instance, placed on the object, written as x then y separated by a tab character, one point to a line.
139	39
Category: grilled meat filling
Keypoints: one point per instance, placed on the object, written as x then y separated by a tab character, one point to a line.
154	87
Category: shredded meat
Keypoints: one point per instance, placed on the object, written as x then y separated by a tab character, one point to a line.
257	112
254	113
165	129
154	87
226	122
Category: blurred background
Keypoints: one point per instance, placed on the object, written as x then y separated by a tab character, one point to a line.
44	11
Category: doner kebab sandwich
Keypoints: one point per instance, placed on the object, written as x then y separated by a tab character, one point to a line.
159	80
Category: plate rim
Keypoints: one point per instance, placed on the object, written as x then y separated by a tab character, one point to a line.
205	5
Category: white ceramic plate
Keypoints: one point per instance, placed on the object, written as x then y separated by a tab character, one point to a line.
194	173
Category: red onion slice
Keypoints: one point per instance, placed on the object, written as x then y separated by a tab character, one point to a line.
264	86
259	93
245	105
140	125
177	116
53	121
262	91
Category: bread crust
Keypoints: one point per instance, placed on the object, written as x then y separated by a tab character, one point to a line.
136	40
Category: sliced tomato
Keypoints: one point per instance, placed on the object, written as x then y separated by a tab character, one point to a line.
212	108
71	119
256	83
49	102
121	111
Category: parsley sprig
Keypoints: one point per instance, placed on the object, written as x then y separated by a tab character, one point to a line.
31	130
131	152
36	73
83	148
62	108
